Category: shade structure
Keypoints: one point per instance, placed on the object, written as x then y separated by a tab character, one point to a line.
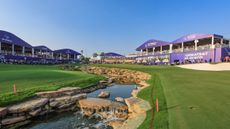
112	54
43	48
10	38
152	43
67	51
192	37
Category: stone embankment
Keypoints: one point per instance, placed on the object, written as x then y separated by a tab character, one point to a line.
75	98
106	108
136	107
117	75
64	99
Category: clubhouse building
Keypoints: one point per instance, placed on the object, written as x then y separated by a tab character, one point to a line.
15	50
192	48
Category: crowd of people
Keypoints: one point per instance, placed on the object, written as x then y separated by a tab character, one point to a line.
8	59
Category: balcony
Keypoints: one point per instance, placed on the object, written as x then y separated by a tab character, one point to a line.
157	52
165	51
224	46
177	50
204	47
189	49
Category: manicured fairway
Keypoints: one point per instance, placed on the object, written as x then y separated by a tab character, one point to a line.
31	78
195	99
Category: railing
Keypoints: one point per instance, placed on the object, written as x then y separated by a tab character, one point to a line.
186	49
165	51
177	50
189	49
204	47
225	45
15	53
149	53
6	52
157	52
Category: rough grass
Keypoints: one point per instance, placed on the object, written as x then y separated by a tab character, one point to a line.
188	99
30	79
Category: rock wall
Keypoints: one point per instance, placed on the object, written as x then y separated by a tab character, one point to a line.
123	76
136	107
104	107
73	98
64	99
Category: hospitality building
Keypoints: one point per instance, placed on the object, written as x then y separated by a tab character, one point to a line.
192	48
15	50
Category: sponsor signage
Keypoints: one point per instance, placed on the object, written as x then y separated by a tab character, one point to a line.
201	55
6	38
150	44
193	56
190	37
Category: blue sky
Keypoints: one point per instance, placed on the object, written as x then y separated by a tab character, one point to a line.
111	25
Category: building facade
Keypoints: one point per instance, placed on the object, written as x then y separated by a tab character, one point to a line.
192	48
15	50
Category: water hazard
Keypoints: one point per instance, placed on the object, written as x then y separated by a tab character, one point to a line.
70	120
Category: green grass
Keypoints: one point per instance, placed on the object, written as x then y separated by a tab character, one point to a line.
30	79
188	99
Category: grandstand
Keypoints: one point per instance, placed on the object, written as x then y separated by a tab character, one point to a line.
65	55
15	50
112	58
192	48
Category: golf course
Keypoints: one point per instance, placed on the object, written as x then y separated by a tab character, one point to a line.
30	79
188	99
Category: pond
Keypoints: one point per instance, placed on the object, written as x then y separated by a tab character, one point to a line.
70	120
116	90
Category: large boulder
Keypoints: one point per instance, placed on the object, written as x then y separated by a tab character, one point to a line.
3	112
13	120
103	82
61	92
137	105
28	105
70	90
104	94
58	102
63	100
54	104
35	112
111	80
104	104
119	99
50	94
106	108
78	97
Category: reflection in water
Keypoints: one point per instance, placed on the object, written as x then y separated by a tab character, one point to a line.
116	90
76	120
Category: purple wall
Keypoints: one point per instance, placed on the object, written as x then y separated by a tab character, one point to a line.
204	55
225	52
216	55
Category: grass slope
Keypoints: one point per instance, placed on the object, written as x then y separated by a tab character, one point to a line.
30	79
195	99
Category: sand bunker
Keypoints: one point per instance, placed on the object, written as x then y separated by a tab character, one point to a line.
207	66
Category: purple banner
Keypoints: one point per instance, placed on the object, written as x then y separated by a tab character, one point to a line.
204	56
